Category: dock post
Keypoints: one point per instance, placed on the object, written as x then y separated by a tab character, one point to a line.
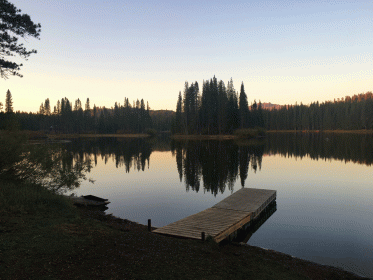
149	225
203	236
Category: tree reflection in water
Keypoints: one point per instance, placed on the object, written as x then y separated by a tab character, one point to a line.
127	153
214	166
216	163
357	148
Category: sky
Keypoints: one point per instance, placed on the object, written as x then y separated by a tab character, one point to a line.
283	51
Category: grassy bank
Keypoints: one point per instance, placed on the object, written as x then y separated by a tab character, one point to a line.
43	236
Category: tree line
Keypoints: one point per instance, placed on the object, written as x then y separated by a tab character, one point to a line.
349	113
218	110
69	117
222	110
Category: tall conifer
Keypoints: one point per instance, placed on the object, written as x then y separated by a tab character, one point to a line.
244	108
8	102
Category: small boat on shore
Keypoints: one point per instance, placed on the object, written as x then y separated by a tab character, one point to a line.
89	200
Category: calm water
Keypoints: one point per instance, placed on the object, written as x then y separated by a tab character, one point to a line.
323	182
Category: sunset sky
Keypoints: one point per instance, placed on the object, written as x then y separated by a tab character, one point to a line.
283	51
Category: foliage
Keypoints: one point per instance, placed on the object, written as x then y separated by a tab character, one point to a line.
43	164
13	26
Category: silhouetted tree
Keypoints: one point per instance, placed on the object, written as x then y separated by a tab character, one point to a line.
244	108
8	102
13	26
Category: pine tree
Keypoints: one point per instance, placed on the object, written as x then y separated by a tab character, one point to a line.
244	108
178	116
41	109
186	107
14	26
87	105
8	102
47	107
222	107
58	107
232	108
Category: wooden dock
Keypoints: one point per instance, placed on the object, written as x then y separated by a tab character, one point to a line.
224	218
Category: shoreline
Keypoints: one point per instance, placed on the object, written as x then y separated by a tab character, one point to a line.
305	266
236	137
139	135
339	131
45	235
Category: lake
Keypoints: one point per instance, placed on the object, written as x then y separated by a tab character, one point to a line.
323	183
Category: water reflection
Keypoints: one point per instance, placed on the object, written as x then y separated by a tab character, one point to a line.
127	153
217	164
244	234
357	148
54	165
214	166
326	210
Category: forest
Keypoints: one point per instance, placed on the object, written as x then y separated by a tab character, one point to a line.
221	109
68	117
349	113
218	110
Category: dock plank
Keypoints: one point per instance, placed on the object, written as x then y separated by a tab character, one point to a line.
223	218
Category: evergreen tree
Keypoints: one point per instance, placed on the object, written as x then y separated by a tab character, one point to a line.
178	117
186	107
58	107
244	108
78	105
47	107
14	26
41	109
8	102
222	107
232	108
87	105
